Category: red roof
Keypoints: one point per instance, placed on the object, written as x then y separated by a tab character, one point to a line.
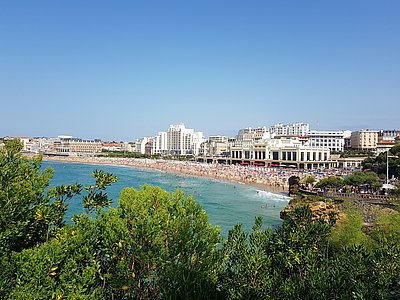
386	143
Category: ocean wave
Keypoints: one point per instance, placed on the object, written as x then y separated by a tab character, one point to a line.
272	196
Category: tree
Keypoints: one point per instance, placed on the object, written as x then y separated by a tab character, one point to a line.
96	198
378	164
330	182
28	214
309	179
247	270
66	267
359	178
274	264
153	245
167	245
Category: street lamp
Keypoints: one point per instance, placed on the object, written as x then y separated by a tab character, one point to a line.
387	165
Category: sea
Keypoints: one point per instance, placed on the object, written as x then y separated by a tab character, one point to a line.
226	203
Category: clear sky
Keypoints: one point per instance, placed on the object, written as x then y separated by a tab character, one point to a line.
120	70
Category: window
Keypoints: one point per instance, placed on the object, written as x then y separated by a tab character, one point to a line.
283	155
275	155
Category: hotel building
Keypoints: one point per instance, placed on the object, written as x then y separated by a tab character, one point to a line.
295	129
364	140
334	140
183	141
160	144
67	145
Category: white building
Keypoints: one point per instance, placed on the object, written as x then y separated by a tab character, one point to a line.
281	151
160	144
334	140
112	146
140	145
198	139
384	146
248	136
295	129
183	141
215	145
128	146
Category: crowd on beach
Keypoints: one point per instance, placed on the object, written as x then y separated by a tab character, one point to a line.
268	178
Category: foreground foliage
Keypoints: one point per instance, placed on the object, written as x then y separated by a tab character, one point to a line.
159	245
153	244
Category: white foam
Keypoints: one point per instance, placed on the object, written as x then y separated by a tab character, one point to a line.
272	196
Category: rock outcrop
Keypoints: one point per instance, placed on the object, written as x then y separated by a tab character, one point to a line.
321	210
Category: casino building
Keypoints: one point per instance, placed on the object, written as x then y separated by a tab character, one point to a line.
291	152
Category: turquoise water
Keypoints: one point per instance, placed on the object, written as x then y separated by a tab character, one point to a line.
225	203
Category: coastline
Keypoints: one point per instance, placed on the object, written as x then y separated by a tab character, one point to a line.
233	174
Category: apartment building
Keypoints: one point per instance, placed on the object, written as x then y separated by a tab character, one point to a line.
215	145
388	135
332	139
140	145
183	141
364	140
295	129
160	144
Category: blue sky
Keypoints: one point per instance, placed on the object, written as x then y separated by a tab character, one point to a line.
120	70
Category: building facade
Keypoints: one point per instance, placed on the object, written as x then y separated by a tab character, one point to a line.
295	129
67	145
183	141
388	135
160	144
334	140
140	145
290	152
384	146
364	140
215	146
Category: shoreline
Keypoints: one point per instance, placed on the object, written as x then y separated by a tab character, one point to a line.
232	174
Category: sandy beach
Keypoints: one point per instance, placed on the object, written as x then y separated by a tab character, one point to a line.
264	178
236	174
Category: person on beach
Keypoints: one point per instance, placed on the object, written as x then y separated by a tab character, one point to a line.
263	177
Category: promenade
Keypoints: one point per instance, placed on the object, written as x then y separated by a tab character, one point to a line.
265	178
